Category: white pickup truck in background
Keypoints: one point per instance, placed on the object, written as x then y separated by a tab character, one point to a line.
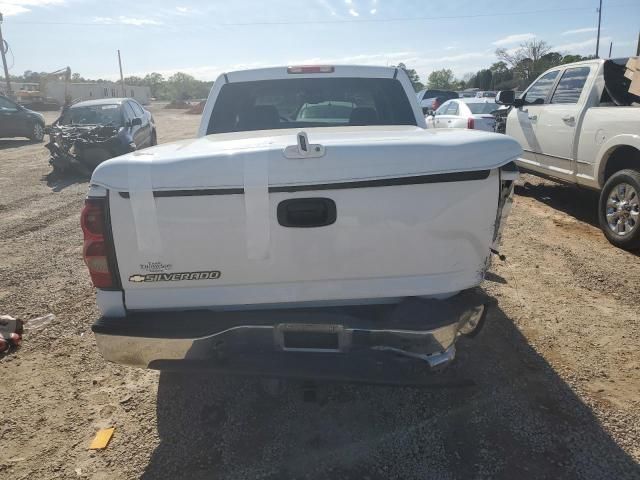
314	226
579	124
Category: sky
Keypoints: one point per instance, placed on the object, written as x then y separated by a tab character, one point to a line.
205	39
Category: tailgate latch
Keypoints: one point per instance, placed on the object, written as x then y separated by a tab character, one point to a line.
304	149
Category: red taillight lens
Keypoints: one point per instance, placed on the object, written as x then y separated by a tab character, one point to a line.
311	69
92	219
95	251
471	123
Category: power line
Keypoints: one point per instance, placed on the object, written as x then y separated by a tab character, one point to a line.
598	38
337	21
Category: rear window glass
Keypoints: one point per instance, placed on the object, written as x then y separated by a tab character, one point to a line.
452	109
310	102
483	107
570	85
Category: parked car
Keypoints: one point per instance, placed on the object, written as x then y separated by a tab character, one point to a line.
468	93
281	244
486	94
326	112
18	121
90	132
579	124
471	113
430	100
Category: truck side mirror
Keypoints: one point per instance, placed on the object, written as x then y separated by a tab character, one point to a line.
506	97
136	122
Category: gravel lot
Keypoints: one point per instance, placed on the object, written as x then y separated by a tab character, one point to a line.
556	370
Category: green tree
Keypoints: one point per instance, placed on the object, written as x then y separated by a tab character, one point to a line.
502	76
31	76
413	76
442	79
576	58
529	60
484	79
155	82
181	86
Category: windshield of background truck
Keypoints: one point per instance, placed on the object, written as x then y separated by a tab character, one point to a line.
310	102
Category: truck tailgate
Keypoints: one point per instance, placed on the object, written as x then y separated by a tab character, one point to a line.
380	245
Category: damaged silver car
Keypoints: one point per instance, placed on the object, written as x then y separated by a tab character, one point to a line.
88	133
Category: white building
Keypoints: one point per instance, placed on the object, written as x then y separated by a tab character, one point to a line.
90	91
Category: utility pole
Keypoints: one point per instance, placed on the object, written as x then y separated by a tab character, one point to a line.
638	47
4	61
598	40
124	94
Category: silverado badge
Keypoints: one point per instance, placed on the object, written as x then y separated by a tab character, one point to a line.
174	277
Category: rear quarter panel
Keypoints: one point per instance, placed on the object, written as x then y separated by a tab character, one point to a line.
603	130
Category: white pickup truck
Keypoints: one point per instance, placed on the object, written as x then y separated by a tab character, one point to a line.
327	244
579	124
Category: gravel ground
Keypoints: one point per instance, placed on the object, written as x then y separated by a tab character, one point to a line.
556	370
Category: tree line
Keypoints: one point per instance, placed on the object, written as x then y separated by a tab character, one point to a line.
179	86
515	69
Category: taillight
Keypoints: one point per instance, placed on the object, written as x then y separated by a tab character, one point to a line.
95	250
311	69
471	123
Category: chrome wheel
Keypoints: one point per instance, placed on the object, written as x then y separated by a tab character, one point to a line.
37	133
623	209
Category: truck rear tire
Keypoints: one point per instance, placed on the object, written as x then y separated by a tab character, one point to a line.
619	209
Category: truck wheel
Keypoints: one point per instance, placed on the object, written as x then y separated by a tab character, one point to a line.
37	132
619	209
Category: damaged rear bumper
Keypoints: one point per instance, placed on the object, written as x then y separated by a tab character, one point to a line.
326	342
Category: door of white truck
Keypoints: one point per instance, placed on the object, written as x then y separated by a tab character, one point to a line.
522	122
557	120
546	125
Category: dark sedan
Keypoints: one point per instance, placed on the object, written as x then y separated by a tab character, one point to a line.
18	121
88	133
114	112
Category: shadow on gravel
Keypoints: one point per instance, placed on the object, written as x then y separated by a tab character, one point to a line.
581	204
519	421
9	143
58	182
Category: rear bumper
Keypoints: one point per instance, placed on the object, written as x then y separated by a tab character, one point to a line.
305	342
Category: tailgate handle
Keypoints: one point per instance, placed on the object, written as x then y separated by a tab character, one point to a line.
306	212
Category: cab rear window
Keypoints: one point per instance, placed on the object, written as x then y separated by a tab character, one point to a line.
310	102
